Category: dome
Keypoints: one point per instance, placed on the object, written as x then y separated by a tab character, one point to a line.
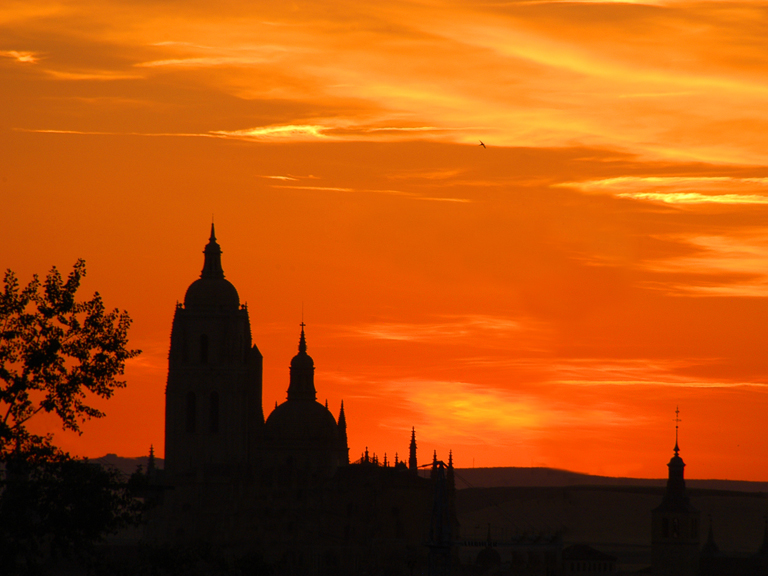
212	292
301	421
302	361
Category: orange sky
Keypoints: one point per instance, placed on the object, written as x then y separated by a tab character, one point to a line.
548	300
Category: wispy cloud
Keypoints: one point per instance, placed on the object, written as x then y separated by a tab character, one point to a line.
20	56
680	189
464	412
735	266
410	195
293	132
101	75
456	327
695	198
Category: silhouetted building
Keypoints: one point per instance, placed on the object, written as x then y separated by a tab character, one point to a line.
675	526
675	537
586	561
283	488
213	414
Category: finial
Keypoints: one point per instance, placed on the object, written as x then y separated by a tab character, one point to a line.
213	232
677	422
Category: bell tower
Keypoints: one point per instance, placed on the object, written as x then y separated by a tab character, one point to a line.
213	412
675	524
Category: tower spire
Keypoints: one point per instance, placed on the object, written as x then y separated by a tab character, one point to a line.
677	422
212	265
302	386
302	339
343	442
413	465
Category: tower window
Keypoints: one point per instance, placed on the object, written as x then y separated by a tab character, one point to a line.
214	412
191	409
204	349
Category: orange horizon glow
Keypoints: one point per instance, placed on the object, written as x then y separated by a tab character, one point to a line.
546	300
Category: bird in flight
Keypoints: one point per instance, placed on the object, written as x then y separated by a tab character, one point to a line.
481	144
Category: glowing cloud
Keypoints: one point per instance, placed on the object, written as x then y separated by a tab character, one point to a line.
679	189
20	56
695	198
733	266
290	132
458	328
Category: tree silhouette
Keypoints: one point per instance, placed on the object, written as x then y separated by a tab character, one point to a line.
54	350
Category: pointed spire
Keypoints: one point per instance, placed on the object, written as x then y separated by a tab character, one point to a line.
677	422
342	417
302	340
302	384
343	441
212	265
710	549
396	461
413	465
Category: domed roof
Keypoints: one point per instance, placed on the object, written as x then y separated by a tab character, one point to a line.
212	290
301	421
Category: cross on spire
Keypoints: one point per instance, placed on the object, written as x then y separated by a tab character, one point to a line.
677	425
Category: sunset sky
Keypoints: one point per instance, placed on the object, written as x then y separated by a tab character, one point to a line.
546	300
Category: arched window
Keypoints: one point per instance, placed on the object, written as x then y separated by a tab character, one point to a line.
191	410
204	349
214	412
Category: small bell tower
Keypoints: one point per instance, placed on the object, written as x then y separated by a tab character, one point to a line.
675	523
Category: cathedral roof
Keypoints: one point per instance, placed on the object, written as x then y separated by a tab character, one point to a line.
303	422
301	419
212	290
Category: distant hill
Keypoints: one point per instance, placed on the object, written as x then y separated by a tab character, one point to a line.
552	477
511	477
127	465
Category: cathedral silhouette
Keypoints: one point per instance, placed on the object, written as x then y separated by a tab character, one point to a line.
281	489
283	493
